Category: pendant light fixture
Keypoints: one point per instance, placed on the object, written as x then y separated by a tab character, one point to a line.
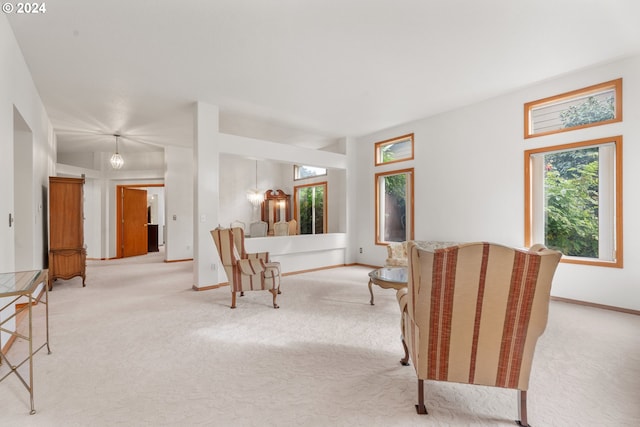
116	159
255	196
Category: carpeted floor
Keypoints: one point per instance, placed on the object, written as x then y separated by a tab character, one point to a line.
139	347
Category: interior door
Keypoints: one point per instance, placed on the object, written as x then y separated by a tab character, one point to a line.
134	222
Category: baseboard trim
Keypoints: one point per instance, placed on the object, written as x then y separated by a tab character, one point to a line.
208	288
291	273
329	267
357	264
595	305
109	259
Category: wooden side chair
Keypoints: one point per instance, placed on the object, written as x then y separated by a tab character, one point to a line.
239	224
281	229
293	227
258	229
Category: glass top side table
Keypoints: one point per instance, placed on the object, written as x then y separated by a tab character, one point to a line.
388	278
18	293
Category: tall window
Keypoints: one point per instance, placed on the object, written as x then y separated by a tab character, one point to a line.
311	207
394	206
574	200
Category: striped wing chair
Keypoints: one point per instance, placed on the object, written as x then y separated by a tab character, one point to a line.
245	272
472	313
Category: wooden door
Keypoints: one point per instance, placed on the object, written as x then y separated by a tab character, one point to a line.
134	222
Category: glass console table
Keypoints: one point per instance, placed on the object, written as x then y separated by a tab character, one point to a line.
18	292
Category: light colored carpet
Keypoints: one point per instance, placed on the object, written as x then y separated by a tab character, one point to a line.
139	347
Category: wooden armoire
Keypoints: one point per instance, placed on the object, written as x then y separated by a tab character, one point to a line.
67	254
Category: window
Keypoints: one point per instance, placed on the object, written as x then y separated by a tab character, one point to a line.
573	200
590	106
311	207
302	172
394	150
394	206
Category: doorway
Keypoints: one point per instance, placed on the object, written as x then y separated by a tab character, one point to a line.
136	220
22	218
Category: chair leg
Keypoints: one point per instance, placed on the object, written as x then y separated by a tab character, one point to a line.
274	292
522	409
420	408
233	300
405	360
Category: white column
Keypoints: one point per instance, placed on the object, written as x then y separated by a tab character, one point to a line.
206	195
351	200
179	203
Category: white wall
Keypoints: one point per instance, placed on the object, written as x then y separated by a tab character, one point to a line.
93	219
302	252
237	175
470	179
18	91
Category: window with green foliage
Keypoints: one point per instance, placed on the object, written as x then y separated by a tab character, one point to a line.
394	150
590	106
311	208
574	199
394	206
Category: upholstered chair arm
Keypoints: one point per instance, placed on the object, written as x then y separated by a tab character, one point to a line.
402	295
251	266
418	287
264	256
538	247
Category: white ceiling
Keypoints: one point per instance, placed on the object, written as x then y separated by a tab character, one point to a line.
298	71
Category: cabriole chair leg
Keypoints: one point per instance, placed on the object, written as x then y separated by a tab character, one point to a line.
274	292
405	360
233	300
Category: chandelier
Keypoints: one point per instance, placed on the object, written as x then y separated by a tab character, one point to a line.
255	196
116	159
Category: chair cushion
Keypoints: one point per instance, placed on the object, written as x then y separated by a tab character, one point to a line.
272	269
